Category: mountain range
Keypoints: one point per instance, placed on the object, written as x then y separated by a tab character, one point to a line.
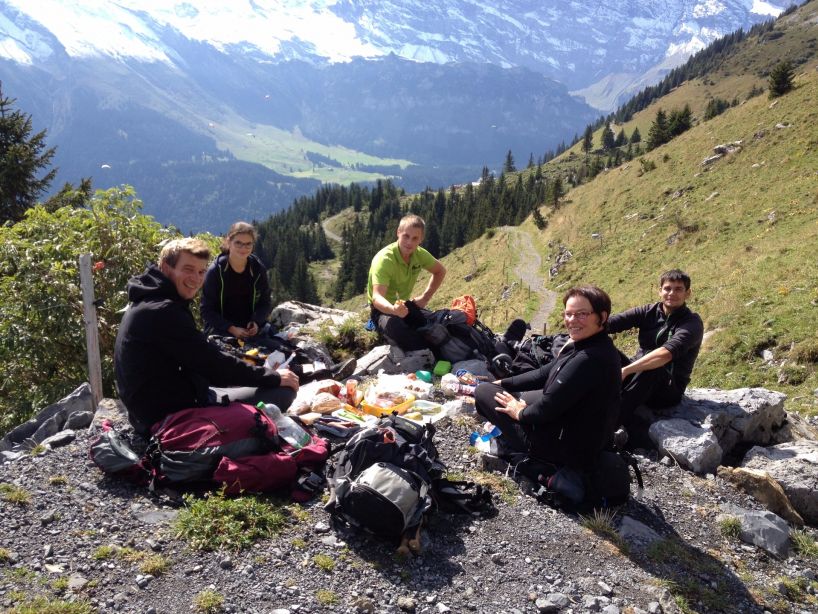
214	110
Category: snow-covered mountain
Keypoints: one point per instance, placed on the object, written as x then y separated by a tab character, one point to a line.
578	42
242	105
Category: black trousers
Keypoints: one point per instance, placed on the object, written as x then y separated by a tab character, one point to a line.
397	332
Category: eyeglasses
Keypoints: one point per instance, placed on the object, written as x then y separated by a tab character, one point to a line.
243	244
577	315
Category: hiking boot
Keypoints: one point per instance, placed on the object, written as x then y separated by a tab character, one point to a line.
344	369
491	462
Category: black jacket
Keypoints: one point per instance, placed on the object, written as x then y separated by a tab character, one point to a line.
163	363
574	418
213	295
681	334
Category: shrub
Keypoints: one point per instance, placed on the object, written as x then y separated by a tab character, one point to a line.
805	352
730	527
217	522
42	335
208	602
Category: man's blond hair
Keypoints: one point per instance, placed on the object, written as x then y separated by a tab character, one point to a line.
173	249
412	221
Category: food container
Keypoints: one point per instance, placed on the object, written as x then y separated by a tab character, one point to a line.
377	410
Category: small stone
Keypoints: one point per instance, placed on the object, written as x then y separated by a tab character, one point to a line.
226	563
363	606
407	604
76	583
654	607
605	588
153	545
442	608
48	517
497	559
321	527
48	550
143	581
611	609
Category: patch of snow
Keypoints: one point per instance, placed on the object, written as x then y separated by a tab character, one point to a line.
708	8
765	8
21	46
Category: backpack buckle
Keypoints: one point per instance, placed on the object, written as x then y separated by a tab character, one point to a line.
311	482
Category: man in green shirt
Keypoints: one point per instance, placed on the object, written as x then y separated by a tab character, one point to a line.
392	276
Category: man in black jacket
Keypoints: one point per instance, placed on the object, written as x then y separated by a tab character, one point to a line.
163	363
670	336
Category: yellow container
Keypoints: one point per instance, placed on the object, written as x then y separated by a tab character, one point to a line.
377	410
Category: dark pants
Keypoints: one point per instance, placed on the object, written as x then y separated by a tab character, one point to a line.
281	396
397	332
653	388
516	437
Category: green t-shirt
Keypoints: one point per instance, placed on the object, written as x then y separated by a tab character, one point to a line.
389	269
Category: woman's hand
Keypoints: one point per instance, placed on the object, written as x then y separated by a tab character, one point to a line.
507	404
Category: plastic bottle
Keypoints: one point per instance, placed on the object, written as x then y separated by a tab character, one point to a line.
288	429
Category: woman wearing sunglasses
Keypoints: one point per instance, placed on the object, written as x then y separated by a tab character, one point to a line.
236	292
563	413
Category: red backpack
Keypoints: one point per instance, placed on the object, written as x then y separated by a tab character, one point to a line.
236	446
467	305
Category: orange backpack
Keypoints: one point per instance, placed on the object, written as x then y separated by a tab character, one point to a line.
467	305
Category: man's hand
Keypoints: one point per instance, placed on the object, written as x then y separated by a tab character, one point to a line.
288	378
238	332
400	309
252	329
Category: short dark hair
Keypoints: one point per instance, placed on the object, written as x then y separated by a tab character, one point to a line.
675	275
599	299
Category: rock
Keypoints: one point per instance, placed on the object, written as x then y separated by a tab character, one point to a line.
76	582
765	530
692	447
79	420
442	608
47	429
794	466
310	315
553	602
604	588
114	412
764	489
63	438
711	159
407	604
636	533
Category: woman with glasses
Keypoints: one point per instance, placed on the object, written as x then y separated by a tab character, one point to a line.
563	413
236	292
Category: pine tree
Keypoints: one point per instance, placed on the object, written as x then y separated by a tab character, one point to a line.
621	139
658	133
22	157
679	121
588	140
781	79
531	160
636	136
608	139
539	221
508	166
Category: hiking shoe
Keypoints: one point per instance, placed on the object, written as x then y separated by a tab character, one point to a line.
491	462
344	369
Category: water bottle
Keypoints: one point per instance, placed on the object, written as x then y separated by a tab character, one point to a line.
288	429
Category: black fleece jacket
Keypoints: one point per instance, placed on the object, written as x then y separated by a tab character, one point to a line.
163	363
213	307
573	419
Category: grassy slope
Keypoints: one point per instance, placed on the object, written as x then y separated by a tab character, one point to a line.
744	227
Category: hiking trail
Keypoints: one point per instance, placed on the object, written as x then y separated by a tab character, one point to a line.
529	270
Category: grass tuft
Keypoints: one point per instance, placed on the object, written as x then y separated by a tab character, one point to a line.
804	544
14	494
41	605
208	602
326	597
217	522
58	480
602	524
730	527
323	562
154	564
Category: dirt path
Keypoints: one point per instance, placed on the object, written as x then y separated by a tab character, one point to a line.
330	235
529	270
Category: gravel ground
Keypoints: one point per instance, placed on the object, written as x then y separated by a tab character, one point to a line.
527	558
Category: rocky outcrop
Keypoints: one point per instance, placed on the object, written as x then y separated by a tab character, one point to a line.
709	424
312	316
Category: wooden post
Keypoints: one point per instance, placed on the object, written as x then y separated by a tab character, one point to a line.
89	317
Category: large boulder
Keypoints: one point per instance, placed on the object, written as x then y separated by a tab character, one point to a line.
693	447
740	416
392	359
311	316
794	465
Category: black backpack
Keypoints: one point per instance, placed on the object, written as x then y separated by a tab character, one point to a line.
452	338
607	484
388	476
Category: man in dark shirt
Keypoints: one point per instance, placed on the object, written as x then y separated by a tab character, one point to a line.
163	363
670	336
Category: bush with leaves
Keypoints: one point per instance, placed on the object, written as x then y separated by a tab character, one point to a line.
42	335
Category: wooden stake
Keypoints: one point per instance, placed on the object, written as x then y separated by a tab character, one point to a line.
89	317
